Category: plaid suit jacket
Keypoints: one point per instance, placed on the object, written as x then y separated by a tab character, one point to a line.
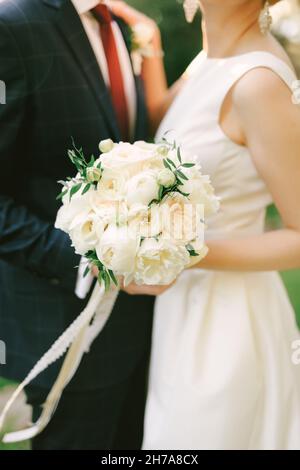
54	91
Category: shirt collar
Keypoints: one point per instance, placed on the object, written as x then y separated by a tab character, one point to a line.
84	6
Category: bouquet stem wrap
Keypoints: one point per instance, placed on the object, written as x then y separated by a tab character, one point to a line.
78	338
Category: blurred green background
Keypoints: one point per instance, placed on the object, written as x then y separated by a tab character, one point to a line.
181	43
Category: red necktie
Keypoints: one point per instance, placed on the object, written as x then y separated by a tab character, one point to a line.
103	15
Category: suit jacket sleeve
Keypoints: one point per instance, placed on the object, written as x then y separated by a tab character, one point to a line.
25	239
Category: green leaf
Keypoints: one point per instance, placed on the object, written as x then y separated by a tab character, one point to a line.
113	277
106	279
193	253
75	189
171	162
86	188
86	271
100	277
62	194
92	161
154	201
183	194
191	250
188	165
179	155
166	164
182	175
160	192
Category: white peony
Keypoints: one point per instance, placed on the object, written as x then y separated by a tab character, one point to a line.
117	251
182	220
86	232
142	188
201	191
159	262
112	184
78	205
133	158
148	222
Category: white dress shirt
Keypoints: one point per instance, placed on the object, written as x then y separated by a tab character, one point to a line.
92	29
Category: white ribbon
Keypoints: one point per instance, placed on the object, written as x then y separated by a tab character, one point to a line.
78	338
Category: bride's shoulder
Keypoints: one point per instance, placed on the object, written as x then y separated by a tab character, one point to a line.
267	81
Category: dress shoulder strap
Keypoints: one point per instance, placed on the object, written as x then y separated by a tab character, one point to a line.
232	69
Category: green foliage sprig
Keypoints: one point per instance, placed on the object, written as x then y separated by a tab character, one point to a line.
77	157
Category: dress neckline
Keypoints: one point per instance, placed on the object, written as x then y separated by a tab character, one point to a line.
247	54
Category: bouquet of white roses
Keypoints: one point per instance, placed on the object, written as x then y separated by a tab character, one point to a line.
137	212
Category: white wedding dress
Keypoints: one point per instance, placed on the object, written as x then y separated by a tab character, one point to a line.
222	375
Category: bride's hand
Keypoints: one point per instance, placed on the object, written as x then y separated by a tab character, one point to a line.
130	15
134	289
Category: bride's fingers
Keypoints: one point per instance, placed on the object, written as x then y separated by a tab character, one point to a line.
134	289
129	14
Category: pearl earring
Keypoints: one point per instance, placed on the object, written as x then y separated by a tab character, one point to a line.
190	9
265	19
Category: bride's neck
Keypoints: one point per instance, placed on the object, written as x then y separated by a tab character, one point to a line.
229	30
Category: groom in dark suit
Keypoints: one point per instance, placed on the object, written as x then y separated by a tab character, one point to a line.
67	70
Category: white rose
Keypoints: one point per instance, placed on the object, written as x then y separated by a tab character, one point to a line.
159	262
112	184
141	144
106	145
110	211
182	220
78	205
117	250
142	35
128	157
166	178
142	188
201	191
85	232
147	222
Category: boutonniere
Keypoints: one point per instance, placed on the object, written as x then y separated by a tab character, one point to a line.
141	43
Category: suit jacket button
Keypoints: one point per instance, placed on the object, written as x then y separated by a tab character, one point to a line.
54	281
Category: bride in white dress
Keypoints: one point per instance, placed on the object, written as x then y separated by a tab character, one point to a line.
223	371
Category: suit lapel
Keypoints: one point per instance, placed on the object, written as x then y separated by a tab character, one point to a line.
70	27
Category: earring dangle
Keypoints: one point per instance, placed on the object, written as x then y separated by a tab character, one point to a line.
265	19
190	9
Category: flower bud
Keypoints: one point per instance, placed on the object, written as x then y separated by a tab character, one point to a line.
163	150
166	178
93	174
106	145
